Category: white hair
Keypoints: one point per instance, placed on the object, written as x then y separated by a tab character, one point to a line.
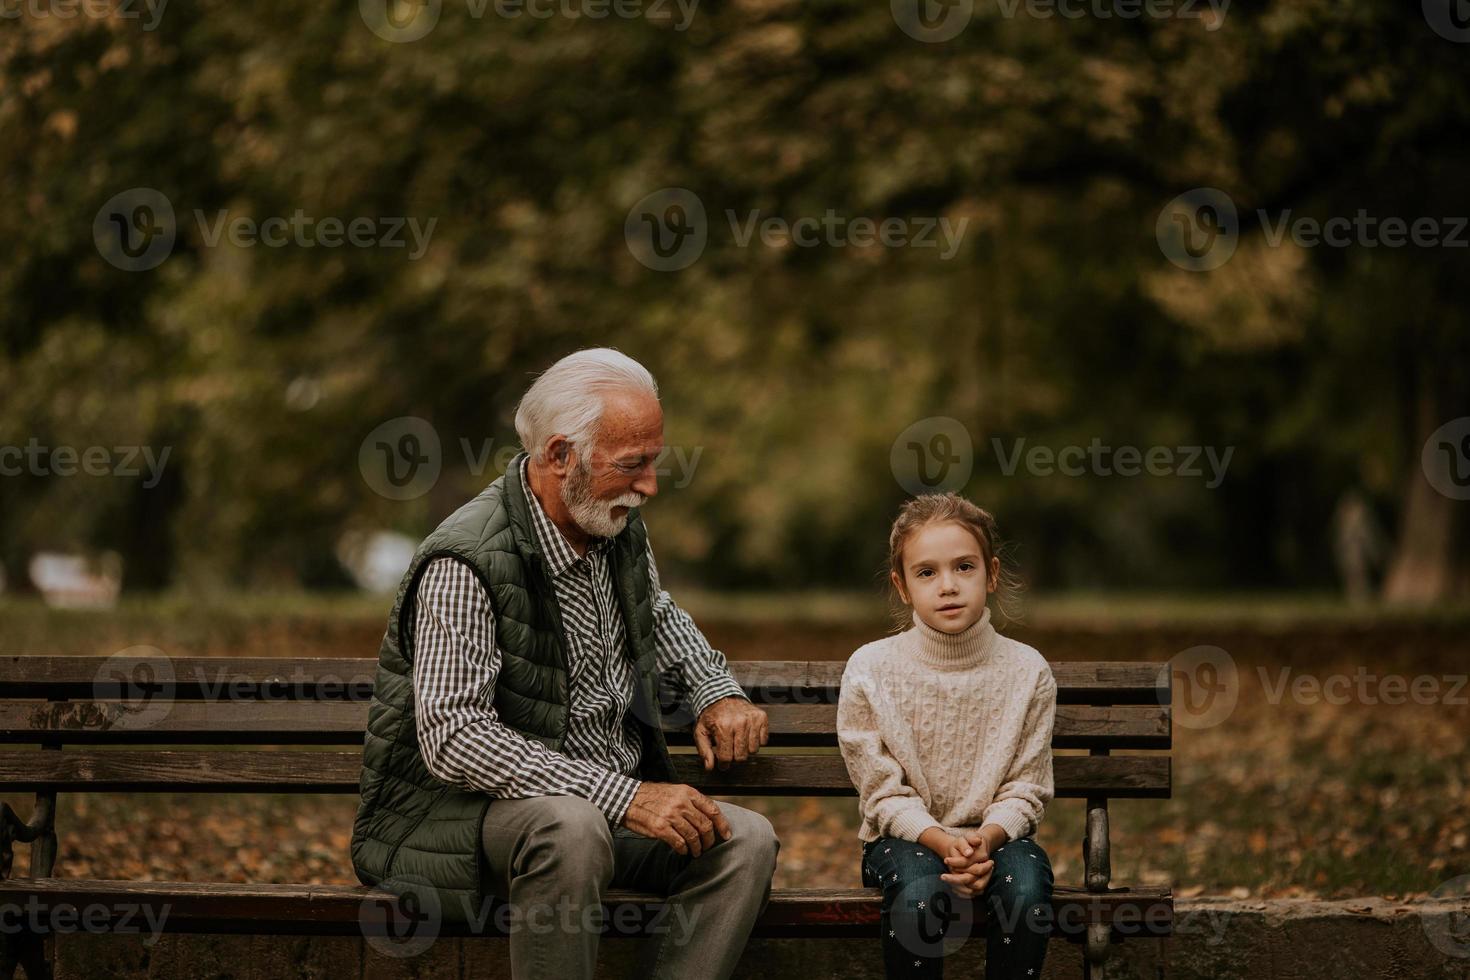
568	398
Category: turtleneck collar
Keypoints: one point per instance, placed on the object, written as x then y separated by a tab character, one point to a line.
950	651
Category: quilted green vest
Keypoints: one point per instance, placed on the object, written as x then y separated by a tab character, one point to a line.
412	826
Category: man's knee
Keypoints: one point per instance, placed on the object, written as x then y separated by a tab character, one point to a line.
571	833
753	841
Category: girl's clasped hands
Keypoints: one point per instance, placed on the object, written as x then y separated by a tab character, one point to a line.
970	865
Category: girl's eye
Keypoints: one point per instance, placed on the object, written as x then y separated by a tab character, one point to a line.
966	565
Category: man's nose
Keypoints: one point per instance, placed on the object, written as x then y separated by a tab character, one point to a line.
647	482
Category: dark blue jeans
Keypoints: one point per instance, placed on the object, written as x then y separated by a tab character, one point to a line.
919	910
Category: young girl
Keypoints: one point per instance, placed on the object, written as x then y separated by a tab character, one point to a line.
946	730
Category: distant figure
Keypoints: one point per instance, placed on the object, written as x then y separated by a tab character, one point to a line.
1357	541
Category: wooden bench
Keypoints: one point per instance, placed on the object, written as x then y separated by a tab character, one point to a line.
217	725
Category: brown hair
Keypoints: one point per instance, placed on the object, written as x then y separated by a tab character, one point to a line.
937	508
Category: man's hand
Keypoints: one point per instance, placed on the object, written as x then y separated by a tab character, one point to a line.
970	865
730	730
679	815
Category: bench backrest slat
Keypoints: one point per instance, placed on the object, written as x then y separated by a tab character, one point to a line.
326	678
343	722
134	770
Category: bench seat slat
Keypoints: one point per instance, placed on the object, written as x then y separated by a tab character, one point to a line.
338	909
343	722
165	770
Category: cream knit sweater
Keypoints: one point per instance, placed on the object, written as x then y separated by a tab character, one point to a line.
947	729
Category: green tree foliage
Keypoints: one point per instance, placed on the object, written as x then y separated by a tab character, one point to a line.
791	370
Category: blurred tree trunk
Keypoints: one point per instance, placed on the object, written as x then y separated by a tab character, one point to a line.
1431	559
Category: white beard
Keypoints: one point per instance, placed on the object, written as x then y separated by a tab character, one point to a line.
591	514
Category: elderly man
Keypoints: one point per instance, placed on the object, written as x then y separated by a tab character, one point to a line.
514	741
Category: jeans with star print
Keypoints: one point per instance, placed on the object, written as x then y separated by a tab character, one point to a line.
920	911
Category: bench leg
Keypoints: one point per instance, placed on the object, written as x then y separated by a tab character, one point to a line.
1098	863
21	948
1094	956
27	951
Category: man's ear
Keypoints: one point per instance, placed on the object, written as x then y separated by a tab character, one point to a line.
559	454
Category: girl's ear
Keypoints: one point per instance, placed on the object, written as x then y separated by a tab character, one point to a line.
993	579
898	584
